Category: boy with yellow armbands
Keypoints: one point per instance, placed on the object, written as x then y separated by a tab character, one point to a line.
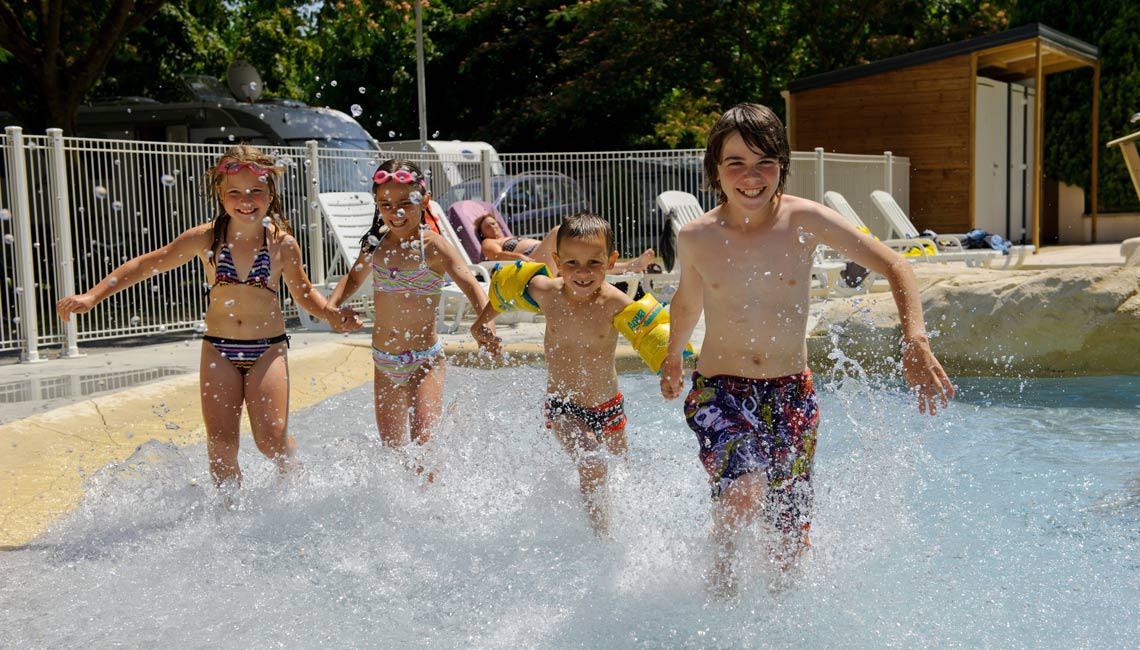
583	316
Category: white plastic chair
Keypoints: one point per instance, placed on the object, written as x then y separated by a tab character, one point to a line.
950	247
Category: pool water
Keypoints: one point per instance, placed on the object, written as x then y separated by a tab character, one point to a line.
1012	521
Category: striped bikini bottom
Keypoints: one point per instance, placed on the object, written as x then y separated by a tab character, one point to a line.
399	368
243	353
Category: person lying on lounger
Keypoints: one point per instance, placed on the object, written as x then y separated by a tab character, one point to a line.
499	247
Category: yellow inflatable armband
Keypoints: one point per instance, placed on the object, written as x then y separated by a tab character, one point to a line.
646	324
508	286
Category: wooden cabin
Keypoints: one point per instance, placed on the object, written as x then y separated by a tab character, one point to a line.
967	114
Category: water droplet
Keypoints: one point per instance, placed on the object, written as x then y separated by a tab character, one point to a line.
400	213
100	192
112	280
391	134
435	135
372	240
167	180
379	122
230	137
230	302
356	110
415	197
333	83
117	206
222	129
8	239
266	222
361	89
253	86
135	320
5	214
318	95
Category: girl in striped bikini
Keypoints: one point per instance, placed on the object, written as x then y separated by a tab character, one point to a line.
407	262
243	351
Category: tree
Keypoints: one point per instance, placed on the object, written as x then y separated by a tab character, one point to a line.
59	50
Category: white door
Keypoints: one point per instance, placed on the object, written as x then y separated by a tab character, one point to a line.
990	162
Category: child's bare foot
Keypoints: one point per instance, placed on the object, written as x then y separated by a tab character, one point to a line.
721	579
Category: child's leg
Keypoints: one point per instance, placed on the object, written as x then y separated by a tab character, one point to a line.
585	449
220	385
732	511
616	442
427	400
545	251
267	399
392	401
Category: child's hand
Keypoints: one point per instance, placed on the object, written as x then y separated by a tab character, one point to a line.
925	375
484	334
345	320
77	304
672	377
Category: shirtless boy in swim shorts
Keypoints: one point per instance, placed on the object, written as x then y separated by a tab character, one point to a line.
583	406
747	263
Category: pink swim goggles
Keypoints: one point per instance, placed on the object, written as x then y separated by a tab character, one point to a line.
401	176
235	166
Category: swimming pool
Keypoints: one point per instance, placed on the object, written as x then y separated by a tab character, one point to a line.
1014	521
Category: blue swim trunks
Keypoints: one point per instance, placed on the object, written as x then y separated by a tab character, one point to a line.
746	425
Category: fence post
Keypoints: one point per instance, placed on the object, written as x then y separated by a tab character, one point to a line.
65	256
313	215
889	172
22	219
485	174
820	188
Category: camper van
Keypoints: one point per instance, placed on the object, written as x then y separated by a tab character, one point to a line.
214	116
450	162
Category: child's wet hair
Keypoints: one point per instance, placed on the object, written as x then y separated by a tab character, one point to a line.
391	165
762	131
243	153
585	225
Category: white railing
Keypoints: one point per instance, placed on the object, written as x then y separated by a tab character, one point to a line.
73	209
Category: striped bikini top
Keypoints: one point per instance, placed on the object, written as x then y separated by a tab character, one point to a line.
226	273
420	281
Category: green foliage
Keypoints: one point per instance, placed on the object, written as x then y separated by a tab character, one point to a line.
1068	96
588	74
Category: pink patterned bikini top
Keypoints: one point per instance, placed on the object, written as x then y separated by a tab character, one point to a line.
420	281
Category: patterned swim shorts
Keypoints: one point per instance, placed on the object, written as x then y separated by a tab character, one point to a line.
746	425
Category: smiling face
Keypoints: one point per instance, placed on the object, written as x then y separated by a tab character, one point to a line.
246	195
399	212
748	178
583	263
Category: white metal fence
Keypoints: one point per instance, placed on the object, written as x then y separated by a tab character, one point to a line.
73	209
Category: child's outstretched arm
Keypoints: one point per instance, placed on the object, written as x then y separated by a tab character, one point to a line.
684	312
449	262
184	248
921	369
350	283
307	296
483	331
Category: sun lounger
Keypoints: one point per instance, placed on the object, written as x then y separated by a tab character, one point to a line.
950	248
